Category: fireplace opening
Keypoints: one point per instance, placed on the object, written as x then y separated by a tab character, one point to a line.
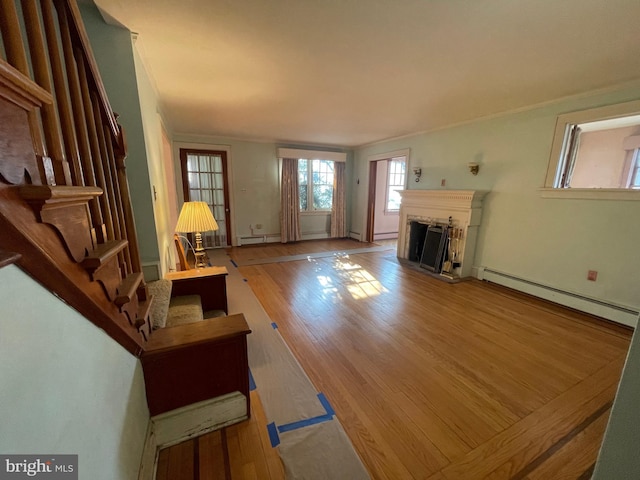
428	245
417	234
434	251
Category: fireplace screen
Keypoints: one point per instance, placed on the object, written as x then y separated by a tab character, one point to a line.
434	252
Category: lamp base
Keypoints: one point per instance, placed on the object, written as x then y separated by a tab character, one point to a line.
200	256
201	260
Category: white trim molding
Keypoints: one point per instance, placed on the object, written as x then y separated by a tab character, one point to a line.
311	154
591	193
622	314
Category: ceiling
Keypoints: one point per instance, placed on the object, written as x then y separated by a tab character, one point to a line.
351	72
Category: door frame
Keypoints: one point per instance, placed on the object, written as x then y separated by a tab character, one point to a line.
183	152
369	218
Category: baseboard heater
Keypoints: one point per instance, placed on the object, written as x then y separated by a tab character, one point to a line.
616	313
257	239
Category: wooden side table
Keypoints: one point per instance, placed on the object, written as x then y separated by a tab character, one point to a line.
210	283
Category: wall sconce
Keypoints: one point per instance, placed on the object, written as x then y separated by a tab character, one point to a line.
474	168
418	173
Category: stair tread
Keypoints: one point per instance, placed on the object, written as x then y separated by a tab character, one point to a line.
103	253
58	193
127	289
143	312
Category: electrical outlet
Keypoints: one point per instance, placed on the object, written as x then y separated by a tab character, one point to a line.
592	275
258	226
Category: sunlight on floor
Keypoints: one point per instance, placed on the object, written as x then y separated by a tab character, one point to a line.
358	281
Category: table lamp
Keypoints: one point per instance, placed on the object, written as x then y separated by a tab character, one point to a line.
196	217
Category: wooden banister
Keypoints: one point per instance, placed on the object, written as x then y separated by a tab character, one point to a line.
16	56
42	76
64	194
65	210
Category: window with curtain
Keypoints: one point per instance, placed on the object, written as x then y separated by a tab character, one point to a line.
315	180
313	184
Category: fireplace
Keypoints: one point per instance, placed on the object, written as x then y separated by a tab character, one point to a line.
457	213
434	252
428	245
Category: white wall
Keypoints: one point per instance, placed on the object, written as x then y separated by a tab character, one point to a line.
163	197
66	386
549	241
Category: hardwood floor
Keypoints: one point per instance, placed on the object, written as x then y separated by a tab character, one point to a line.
430	380
441	381
239	452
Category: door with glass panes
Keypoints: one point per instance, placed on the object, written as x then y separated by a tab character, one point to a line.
204	178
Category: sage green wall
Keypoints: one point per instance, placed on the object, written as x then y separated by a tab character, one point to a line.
114	54
66	386
254	183
549	241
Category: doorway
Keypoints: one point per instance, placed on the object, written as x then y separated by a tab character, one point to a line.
205	179
387	176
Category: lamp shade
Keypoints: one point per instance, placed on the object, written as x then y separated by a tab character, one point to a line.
196	217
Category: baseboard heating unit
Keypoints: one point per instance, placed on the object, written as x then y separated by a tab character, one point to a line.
616	313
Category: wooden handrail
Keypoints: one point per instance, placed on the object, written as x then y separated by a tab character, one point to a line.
77	27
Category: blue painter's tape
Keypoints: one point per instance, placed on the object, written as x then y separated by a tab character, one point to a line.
325	403
274	325
234	263
252	383
304	423
273	434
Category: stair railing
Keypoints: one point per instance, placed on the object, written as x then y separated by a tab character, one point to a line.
64	196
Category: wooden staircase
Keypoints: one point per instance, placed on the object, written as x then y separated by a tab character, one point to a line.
64	196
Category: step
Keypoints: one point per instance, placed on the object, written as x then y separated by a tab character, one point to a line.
127	289
101	255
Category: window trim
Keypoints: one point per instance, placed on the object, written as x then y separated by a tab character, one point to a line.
556	166
309	186
633	170
388	183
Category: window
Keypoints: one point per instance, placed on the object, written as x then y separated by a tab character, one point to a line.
315	181
634	177
396	177
595	153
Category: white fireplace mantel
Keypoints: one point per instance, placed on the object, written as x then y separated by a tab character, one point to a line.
464	207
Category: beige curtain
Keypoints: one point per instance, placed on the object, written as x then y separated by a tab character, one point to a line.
289	202
338	208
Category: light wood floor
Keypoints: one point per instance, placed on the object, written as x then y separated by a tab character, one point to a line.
432	380
239	452
440	381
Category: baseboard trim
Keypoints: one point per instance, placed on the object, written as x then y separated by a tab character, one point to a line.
257	239
616	313
183	423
